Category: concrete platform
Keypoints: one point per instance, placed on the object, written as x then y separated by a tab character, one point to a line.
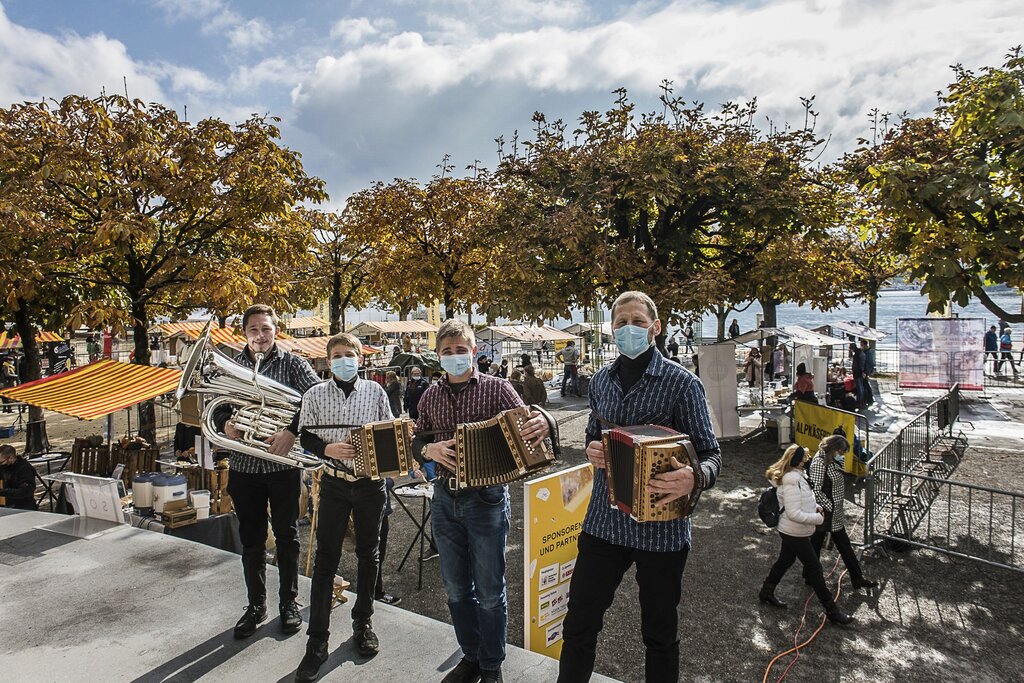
132	605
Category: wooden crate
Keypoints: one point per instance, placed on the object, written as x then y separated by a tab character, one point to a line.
93	460
135	462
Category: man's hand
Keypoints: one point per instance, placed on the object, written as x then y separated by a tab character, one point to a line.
231	431
280	442
673	484
343	452
535	429
443	453
595	453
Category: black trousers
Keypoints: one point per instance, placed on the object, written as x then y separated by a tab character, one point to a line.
843	545
363	500
597	575
382	547
800	548
250	494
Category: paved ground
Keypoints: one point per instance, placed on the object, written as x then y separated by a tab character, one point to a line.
935	616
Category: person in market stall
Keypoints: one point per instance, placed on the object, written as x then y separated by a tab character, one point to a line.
19	480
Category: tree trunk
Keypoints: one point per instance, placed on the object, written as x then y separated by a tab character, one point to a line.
448	312
403	311
873	306
722	315
771	319
147	409
222	321
337	313
36	440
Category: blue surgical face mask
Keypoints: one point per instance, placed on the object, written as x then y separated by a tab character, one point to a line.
632	340
457	364
345	368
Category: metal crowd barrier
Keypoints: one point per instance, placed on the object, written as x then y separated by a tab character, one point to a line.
912	501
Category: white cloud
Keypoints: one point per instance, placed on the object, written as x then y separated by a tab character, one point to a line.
353	31
37	65
249	35
853	55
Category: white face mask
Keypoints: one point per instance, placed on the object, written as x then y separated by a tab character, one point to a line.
457	364
632	340
345	368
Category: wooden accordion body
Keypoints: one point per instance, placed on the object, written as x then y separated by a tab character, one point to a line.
383	449
493	451
633	455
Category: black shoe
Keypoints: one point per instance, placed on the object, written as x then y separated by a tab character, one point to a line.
836	616
767	595
291	620
864	582
464	672
253	617
490	676
366	640
388	599
309	667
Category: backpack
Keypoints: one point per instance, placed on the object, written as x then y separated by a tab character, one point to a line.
768	507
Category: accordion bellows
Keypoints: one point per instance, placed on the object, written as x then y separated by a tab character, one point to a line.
493	451
383	449
634	455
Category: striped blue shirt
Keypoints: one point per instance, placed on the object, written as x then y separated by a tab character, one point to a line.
668	395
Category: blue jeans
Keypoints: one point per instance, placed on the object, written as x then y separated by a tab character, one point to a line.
569	376
470	529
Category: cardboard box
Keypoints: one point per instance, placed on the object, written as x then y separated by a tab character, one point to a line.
178	513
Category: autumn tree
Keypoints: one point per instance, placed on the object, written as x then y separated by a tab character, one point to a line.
655	201
341	265
953	182
439	239
160	207
35	248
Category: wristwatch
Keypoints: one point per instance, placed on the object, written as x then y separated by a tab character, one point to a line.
423	453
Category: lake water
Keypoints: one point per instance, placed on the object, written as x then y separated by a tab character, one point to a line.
892	304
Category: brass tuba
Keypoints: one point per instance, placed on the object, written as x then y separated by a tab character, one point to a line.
262	405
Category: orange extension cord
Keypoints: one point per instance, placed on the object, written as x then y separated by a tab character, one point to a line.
797	647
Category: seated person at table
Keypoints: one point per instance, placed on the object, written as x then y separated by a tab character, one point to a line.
19	480
803	388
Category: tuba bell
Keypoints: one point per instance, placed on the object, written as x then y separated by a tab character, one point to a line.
261	405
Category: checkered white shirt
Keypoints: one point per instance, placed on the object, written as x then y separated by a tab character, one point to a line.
326	404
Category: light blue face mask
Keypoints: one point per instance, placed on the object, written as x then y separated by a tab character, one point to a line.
345	368
457	364
632	340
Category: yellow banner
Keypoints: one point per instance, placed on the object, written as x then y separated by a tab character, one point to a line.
553	510
560	344
814	422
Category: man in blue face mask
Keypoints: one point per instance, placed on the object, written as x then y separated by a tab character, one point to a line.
470	526
345	399
640	387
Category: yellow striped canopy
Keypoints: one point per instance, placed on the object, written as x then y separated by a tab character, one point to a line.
10	340
97	389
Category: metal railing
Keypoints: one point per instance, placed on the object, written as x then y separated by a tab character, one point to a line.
911	499
965	520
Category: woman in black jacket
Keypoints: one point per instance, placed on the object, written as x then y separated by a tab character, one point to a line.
19	480
830	491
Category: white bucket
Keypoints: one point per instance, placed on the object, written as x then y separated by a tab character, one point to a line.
200	498
203	512
167	488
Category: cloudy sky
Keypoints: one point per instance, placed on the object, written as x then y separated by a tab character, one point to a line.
376	89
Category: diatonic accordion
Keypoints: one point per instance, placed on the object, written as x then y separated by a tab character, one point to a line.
493	451
383	449
632	457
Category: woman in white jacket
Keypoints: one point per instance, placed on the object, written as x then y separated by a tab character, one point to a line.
800	516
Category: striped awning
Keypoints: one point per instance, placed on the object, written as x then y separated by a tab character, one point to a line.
97	389
307	322
173	328
11	340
